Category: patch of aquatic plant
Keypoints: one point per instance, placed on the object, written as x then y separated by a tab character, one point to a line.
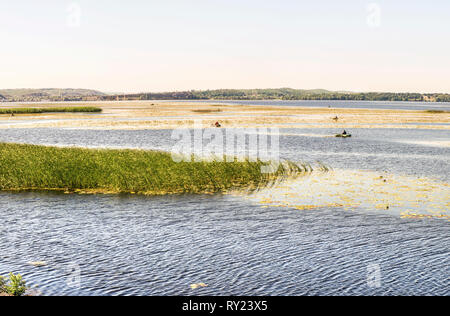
436	111
31	167
86	109
15	286
206	111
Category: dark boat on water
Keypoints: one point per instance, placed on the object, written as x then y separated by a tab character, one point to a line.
343	135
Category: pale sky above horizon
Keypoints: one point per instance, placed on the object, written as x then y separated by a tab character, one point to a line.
138	46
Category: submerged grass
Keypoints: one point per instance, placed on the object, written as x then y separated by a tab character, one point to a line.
31	167
86	109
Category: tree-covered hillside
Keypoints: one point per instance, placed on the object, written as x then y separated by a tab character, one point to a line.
32	95
282	94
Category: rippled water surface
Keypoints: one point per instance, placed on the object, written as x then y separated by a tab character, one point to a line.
126	245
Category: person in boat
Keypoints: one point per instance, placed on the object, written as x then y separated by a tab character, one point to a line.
345	133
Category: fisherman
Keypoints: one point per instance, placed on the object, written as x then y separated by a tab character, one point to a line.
345	133
218	125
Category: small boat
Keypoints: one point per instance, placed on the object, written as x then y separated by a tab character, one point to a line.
343	135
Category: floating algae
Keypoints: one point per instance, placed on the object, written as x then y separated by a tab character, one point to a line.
38	264
198	285
406	196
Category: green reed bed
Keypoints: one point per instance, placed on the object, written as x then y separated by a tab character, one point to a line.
29	167
85	109
437	112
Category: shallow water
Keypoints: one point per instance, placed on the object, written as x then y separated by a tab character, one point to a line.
388	105
131	245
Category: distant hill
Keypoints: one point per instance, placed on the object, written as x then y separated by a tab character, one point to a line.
24	95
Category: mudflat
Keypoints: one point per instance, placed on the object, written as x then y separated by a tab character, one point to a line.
168	115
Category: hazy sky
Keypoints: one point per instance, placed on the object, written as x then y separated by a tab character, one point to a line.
166	45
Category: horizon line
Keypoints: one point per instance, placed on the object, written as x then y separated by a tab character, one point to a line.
214	89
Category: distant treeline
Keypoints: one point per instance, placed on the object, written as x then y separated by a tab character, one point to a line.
21	95
282	94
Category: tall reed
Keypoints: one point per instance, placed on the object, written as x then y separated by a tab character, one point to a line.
86	109
30	167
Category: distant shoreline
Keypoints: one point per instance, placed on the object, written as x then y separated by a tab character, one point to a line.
214	100
313	104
